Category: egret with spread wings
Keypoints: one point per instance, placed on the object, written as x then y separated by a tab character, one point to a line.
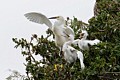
60	30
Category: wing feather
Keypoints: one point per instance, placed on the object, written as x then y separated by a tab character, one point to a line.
69	30
38	18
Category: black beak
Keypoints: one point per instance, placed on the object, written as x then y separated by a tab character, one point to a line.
52	17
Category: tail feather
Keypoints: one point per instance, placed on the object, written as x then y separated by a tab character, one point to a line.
80	57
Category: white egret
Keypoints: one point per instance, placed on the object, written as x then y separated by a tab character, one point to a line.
83	43
71	54
59	29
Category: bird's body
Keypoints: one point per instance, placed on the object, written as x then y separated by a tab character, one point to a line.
82	44
59	30
60	40
71	54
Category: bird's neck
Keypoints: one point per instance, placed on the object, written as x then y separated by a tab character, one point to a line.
69	42
84	38
60	22
66	44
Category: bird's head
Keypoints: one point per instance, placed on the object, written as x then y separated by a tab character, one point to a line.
57	17
83	34
60	20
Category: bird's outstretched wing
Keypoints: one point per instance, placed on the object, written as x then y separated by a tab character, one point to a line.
92	42
38	18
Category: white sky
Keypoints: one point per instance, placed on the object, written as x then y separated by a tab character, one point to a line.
14	24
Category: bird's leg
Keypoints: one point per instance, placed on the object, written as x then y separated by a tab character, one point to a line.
61	55
61	52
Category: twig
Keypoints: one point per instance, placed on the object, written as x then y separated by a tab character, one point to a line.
28	75
30	52
111	75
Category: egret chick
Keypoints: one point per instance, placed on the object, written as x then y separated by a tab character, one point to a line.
71	54
83	43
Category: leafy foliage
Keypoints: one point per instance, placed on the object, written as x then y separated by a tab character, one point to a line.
102	58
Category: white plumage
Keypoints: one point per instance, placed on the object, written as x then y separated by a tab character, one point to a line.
60	31
83	43
81	58
38	18
71	54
